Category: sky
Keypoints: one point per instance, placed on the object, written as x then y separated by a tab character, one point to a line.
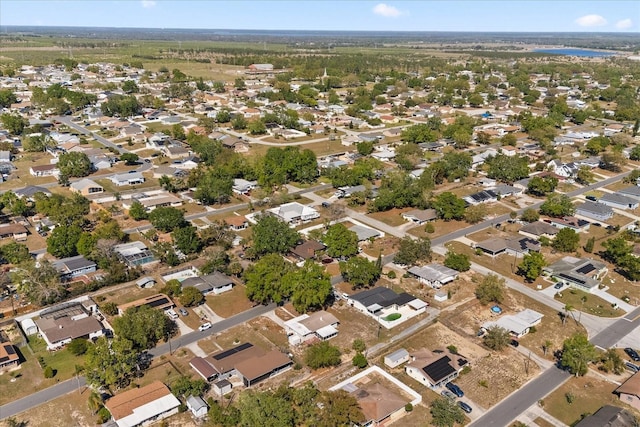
343	15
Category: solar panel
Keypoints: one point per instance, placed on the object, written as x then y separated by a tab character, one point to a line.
440	369
586	269
571	278
3	359
231	351
158	302
10	349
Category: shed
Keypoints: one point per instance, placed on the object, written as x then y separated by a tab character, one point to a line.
29	327
222	387
396	358
146	282
441	296
197	406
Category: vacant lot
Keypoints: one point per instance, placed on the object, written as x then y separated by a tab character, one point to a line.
587	303
589	393
229	303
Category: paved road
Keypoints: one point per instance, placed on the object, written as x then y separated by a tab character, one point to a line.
621	328
510	408
70	385
67	121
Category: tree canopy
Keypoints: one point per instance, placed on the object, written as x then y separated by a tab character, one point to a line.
264	280
143	326
531	266
448	206
359	272
577	353
271	235
340	241
167	218
74	164
322	355
557	205
491	289
412	251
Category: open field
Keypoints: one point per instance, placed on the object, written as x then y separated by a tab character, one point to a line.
229	303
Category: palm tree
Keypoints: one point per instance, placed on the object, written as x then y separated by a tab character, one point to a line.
568	308
546	346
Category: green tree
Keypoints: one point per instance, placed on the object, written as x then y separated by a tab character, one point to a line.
366	147
339	408
74	164
456	165
14	123
445	413
40	282
616	249
531	266
497	338
567	240
143	326
359	345
507	168
111	363
322	355
542	186
412	251
340	241
530	215
584	175
271	235
634	154
458	262
509	139
239	122
612	362
185	386
191	297
137	211
612	161
577	353
359	361
557	205
448	206
129	158
491	289
63	241
167	218
14	252
588	247
475	213
78	346
186	239
310	287
360	272
215	186
130	86
264	280
7	97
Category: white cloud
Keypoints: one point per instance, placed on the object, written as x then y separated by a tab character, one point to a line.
623	24
386	11
591	21
148	3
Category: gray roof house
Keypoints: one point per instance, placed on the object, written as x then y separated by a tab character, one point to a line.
598	211
420	216
619	201
632	191
73	267
215	282
537	229
397	358
517	246
365	233
434	275
580	273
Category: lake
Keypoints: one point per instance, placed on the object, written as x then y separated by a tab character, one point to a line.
576	52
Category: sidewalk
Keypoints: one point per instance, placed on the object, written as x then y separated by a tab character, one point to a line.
602	293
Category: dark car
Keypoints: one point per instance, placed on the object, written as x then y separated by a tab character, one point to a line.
454	389
465	407
632	354
630	366
592	198
514	343
326	204
558	286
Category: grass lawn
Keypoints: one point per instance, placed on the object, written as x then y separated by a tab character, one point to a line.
229	303
588	303
589	394
392	217
440	228
541	422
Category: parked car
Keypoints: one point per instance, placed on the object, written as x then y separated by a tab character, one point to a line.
183	312
172	314
630	366
592	198
558	285
465	407
632	354
514	343
326	204
204	326
454	389
448	394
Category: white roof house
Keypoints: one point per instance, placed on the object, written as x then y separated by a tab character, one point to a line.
517	324
127	179
295	213
397	358
434	275
319	325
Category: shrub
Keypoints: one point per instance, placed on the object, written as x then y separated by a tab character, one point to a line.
391	274
103	415
49	372
483	383
78	346
429	228
570	397
359	361
392	317
408	407
109	308
453	349
359	345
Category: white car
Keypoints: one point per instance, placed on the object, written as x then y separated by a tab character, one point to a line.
204	326
172	314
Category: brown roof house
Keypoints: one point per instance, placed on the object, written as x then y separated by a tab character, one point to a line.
320	325
308	250
435	368
237	222
17	231
142	405
249	363
629	391
9	358
63	323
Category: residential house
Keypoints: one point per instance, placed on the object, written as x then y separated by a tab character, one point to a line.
44	170
215	283
221	387
384	155
235	144
420	216
349	191
197	406
619	201
249	363
86	187
434	275
16	231
132	178
580	273
295	213
632	192
307	250
237	222
435	368
538	229
516	246
377	302
484	196
134	253
143	405
365	233
100	162
150	203
9	358
157	301
30	191
175	152
597	211
629	391
397	358
576	224
609	416
316	326
518	324
242	186
61	324
73	267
